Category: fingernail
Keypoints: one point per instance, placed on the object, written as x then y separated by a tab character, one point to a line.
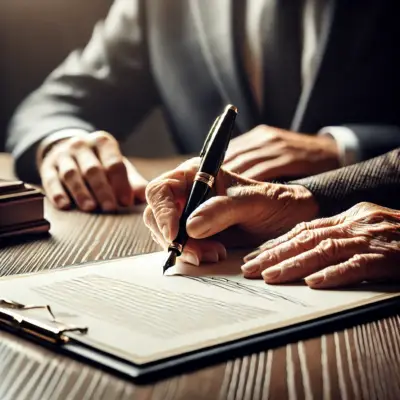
165	232
223	255
210	256
88	205
62	202
192	259
107	205
250	267
251	255
272	273
198	226
315	279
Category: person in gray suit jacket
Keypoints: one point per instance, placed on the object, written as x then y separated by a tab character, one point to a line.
327	68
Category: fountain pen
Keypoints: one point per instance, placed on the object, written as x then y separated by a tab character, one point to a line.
212	156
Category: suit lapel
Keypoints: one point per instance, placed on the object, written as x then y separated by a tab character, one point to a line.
214	23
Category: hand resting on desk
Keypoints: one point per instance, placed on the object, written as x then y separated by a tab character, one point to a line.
361	244
266	153
243	212
90	171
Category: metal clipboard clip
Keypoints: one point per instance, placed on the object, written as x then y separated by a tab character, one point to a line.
53	332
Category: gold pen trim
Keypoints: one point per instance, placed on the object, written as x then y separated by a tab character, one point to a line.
176	246
205	178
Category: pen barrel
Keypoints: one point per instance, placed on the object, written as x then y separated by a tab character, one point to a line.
198	195
212	155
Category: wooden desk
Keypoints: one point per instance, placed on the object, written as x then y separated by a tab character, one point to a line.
362	362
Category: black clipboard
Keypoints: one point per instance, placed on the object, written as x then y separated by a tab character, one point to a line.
153	371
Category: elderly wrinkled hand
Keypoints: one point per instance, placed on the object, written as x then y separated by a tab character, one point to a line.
361	244
242	212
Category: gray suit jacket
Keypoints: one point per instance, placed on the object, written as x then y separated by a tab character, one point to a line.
183	55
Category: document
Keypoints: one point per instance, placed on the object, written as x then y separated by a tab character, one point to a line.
134	312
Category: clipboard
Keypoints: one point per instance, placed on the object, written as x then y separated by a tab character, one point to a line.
15	319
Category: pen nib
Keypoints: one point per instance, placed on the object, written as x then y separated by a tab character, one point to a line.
170	261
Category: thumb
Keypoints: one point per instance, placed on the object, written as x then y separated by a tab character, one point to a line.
137	182
218	214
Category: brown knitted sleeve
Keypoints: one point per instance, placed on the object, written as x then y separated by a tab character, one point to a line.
376	180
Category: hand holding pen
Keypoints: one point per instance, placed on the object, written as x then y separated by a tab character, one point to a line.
211	158
241	213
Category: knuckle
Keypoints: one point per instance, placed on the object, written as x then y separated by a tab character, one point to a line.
328	245
162	213
50	180
363	240
91	172
284	147
375	217
76	143
362	206
374	214
358	260
303	241
190	165
327	248
268	258
152	190
116	167
306	237
302	226
340	269
77	189
69	174
158	193
102	138
56	152
147	216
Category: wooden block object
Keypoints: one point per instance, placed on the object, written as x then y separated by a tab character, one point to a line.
21	210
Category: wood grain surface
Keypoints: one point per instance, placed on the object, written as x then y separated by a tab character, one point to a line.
358	363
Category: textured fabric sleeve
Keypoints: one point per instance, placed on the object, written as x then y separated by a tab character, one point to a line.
106	86
376	180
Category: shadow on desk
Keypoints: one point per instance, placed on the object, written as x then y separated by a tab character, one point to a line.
25	239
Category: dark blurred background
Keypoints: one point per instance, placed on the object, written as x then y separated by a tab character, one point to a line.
36	36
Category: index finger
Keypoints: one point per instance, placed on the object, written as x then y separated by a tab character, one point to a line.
166	196
111	158
297	230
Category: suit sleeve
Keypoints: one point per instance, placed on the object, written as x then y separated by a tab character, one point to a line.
376	180
106	86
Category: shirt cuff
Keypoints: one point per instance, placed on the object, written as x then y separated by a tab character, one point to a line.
347	142
47	143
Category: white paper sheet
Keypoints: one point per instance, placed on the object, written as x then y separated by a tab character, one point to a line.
135	312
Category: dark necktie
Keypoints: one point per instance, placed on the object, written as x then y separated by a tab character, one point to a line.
281	46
